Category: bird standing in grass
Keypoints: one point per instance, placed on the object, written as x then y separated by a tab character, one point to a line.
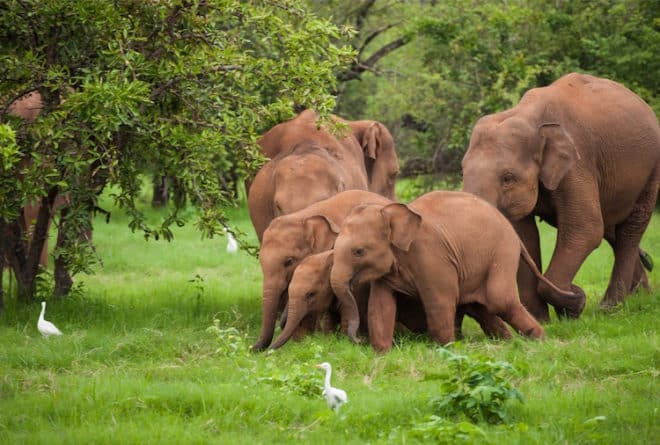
46	327
334	396
232	245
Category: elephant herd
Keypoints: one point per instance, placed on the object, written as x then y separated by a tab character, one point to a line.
338	250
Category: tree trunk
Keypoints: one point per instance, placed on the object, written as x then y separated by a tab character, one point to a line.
2	273
160	195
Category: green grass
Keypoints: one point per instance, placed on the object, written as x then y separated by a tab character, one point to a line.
136	363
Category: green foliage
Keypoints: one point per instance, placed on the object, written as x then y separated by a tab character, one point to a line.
475	388
229	340
298	378
439	430
9	158
182	87
471	58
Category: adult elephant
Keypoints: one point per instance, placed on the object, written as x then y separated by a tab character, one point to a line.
294	179
378	151
583	154
445	249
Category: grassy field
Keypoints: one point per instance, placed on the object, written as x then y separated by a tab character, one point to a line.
138	363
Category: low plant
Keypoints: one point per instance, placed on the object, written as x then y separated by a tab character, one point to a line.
230	340
475	388
440	430
299	379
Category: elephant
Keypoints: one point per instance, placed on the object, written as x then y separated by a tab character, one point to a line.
288	239
28	107
294	179
444	248
311	298
378	150
380	157
583	154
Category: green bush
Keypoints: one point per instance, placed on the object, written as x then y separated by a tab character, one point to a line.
476	389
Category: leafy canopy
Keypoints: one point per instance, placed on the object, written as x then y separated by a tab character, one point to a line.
181	87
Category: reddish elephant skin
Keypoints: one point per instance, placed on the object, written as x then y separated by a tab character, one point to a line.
377	148
291	238
28	108
445	248
297	178
311	299
583	154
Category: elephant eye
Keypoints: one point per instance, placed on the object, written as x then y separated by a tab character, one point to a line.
358	252
508	178
289	261
309	295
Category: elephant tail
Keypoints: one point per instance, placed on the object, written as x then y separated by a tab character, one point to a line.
647	260
532	265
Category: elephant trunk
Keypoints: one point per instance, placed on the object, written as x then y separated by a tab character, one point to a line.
341	280
294	317
272	296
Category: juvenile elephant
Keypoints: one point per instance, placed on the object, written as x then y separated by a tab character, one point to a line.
297	178
311	299
445	248
377	149
583	154
290	238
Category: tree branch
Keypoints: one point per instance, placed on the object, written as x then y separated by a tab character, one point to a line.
358	67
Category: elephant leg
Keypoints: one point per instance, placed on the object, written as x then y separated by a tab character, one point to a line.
579	232
491	324
522	321
502	299
527	281
382	316
640	279
440	304
626	244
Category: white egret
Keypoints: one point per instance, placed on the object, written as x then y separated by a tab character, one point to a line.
232	245
46	327
334	396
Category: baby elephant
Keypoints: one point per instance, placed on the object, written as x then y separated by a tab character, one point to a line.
311	298
446	248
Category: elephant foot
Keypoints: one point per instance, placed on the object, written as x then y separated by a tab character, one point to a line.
573	307
355	339
608	306
259	346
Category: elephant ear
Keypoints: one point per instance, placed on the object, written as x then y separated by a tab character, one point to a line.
558	154
371	139
320	232
403	224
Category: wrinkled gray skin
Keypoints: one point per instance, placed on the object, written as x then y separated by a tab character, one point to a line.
583	154
291	238
445	248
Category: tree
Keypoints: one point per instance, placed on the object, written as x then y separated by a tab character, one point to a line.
467	58
181	86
